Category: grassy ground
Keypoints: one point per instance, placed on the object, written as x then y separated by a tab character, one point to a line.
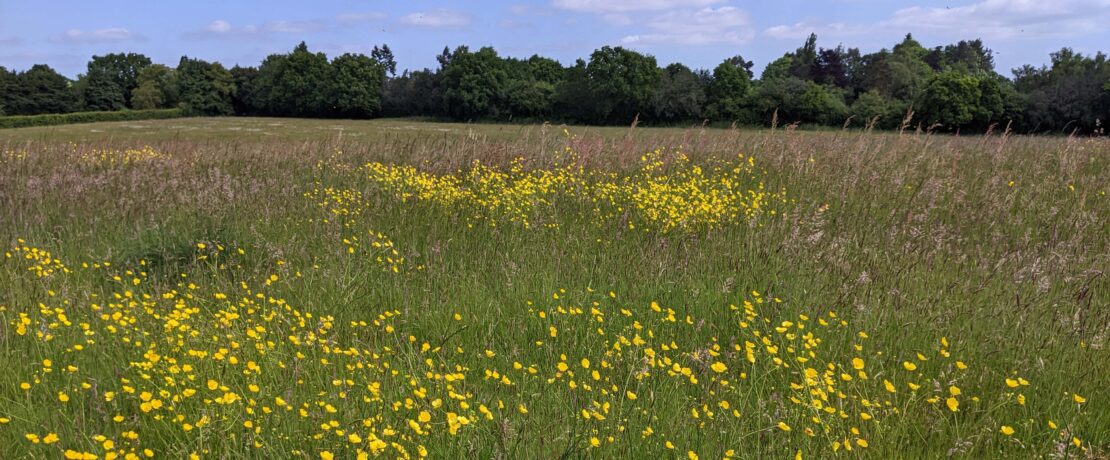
313	288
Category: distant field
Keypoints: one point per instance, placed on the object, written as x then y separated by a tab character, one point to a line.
249	287
276	129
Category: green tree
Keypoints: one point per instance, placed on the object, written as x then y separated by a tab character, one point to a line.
833	67
778	69
475	84
297	84
680	95
728	90
950	99
804	62
623	82
245	100
1068	95
966	56
205	88
898	74
384	57
37	90
98	92
157	88
797	100
574	96
873	106
358	85
7	89
111	75
413	94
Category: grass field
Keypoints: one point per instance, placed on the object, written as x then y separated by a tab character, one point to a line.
282	288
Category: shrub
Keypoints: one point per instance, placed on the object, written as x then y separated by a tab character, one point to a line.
23	121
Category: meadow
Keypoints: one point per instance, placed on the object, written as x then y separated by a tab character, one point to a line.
251	287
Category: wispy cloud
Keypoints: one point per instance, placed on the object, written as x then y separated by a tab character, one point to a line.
723	25
437	18
350	19
11	41
988	19
109	35
1009	18
294	27
625	6
802	29
223	29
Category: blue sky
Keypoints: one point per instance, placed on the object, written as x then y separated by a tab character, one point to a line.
699	33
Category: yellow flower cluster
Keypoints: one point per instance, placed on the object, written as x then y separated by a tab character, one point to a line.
12	156
40	262
342	208
667	192
110	158
245	369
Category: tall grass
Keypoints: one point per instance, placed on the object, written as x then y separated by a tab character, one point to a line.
965	269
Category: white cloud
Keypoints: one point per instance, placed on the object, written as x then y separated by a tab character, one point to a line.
617	19
987	19
218	26
801	30
520	10
623	6
724	25
437	18
293	27
348	19
109	35
223	29
11	41
1008	18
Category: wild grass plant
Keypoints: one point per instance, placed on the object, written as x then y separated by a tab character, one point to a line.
507	292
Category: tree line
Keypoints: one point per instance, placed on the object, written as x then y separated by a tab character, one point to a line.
951	88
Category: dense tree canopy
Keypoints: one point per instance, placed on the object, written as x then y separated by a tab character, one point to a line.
951	87
622	82
205	88
37	90
111	79
358	84
157	88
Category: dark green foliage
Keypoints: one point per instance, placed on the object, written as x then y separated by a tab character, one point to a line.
23	121
797	100
245	98
384	57
1069	95
358	85
804	61
205	88
574	96
111	79
728	90
157	88
967	56
297	84
778	69
622	82
949	99
37	90
99	93
834	66
474	84
872	107
413	94
953	87
679	96
7	89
